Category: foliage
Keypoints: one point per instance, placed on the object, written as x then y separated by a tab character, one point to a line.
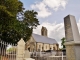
63	41
29	19
15	23
12	49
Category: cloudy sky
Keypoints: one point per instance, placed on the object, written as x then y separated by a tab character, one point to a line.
51	15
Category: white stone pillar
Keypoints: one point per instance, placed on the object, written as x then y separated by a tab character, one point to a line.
20	50
72	38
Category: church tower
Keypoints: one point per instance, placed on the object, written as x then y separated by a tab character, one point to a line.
44	31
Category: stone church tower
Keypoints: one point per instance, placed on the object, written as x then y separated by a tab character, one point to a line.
44	31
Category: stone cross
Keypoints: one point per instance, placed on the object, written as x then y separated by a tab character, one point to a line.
72	38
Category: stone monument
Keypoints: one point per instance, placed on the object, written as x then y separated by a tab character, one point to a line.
27	54
20	50
72	38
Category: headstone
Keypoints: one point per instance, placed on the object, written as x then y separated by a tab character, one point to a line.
20	50
72	38
71	29
27	54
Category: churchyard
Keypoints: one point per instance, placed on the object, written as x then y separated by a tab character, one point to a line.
18	51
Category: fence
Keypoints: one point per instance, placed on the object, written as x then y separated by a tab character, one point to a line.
48	56
9	51
57	57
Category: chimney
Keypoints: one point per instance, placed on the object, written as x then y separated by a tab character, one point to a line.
44	31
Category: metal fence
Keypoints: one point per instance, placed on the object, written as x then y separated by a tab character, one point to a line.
48	56
7	51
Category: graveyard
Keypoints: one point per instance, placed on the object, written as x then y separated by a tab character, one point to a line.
19	51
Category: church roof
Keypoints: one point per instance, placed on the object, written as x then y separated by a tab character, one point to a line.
43	39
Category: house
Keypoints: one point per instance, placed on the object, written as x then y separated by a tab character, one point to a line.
41	42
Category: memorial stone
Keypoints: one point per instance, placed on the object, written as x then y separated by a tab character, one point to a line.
20	50
72	38
27	54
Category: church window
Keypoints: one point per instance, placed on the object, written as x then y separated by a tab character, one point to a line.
53	48
39	46
46	47
50	48
42	48
38	50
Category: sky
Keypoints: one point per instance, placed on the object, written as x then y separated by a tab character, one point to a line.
51	15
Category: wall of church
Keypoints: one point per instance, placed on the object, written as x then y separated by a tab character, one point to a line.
39	46
32	45
55	47
51	46
44	47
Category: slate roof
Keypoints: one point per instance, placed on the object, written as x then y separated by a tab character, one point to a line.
43	39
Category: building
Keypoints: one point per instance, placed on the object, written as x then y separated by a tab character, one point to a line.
41	42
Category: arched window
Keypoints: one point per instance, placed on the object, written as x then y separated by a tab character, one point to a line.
54	48
46	46
29	49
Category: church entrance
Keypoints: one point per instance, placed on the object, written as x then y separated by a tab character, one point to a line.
29	49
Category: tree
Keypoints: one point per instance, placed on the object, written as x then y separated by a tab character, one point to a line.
15	23
63	41
30	18
8	11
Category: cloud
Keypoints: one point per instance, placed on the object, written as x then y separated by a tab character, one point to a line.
55	31
55	4
41	9
45	6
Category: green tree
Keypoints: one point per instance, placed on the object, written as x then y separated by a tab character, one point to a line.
30	18
15	23
63	41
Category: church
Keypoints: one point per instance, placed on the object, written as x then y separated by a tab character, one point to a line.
41	42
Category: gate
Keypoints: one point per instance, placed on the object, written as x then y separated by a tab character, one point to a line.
10	51
7	51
